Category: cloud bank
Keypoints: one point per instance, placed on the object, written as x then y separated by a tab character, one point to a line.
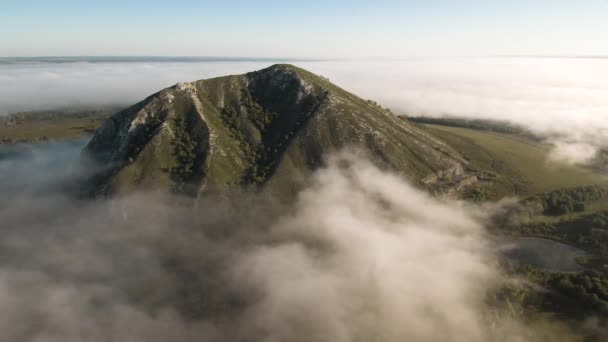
564	98
361	256
38	86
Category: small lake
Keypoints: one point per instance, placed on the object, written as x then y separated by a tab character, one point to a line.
544	254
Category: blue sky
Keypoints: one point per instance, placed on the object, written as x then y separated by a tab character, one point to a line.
331	28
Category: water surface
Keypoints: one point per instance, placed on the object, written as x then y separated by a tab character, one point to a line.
544	254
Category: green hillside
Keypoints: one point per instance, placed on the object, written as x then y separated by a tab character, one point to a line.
268	128
513	164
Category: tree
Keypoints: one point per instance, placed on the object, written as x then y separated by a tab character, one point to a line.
183	152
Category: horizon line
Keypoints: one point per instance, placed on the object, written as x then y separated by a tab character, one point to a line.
211	58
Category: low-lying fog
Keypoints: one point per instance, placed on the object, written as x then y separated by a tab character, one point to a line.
361	256
564	97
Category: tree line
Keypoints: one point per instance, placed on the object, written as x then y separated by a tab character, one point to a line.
566	201
496	126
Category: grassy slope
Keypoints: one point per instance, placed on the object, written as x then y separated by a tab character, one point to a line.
519	166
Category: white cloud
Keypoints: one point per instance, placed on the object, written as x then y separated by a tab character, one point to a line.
49	85
361	256
567	97
573	152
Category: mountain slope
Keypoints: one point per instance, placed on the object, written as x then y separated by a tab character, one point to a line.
269	127
516	164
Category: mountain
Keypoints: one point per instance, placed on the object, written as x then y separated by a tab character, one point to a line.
265	128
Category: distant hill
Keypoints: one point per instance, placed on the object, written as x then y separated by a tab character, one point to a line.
270	127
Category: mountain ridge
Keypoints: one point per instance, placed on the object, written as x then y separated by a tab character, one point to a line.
268	128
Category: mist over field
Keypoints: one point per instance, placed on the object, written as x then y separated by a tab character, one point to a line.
362	255
563	98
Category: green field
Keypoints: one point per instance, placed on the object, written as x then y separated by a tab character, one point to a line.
514	165
54	130
52	124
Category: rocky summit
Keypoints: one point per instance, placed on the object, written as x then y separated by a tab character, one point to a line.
265	129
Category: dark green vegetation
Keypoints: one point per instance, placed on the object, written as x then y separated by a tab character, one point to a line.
571	297
184	152
52	124
589	288
266	129
586	231
566	201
